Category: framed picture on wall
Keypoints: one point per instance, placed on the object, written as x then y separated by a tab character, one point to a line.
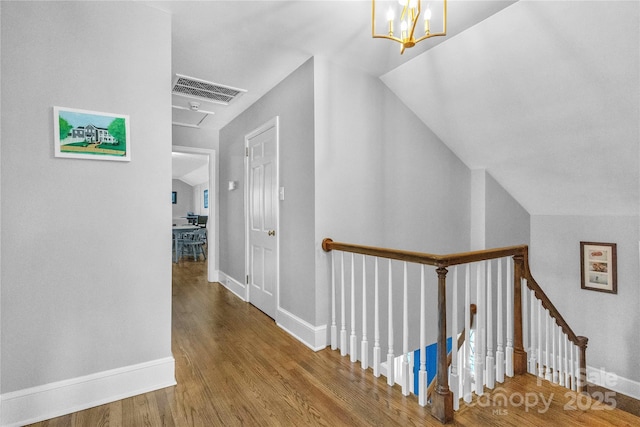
82	134
206	199
174	197
598	267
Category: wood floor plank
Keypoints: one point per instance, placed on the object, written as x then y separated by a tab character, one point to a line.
101	416
236	367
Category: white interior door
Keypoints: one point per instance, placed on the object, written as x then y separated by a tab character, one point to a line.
262	217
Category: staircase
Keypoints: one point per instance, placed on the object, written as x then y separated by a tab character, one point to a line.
404	300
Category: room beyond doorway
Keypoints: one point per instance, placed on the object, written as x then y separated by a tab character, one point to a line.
196	168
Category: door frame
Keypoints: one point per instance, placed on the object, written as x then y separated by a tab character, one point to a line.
274	122
213	239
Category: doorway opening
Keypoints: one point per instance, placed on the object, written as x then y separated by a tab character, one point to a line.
196	168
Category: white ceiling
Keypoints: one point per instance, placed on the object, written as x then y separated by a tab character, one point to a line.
542	94
253	45
545	96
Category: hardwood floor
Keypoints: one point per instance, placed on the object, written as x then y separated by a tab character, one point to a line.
235	367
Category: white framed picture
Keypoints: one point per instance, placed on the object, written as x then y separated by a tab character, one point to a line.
83	134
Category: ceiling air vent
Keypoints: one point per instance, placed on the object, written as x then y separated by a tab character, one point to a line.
213	92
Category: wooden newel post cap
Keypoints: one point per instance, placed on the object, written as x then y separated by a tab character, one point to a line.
325	244
582	342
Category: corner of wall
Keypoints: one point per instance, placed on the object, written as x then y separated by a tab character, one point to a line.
478	209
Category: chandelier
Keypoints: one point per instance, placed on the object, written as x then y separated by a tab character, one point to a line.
408	13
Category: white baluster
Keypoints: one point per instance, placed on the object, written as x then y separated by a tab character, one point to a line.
490	364
364	349
509	349
500	350
411	376
422	375
571	385
343	327
525	317
334	327
567	377
353	340
540	362
560	356
390	355
555	352
479	331
454	381
466	366
547	359
574	367
533	327
405	333
376	322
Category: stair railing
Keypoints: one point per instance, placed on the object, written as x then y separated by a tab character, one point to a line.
525	304
554	349
450	357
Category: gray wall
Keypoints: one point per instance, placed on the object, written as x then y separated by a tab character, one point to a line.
609	321
292	101
426	194
184	201
383	179
196	138
198	198
507	223
86	286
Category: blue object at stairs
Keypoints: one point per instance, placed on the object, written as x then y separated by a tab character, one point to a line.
432	357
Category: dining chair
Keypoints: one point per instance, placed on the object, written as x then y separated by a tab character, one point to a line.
192	243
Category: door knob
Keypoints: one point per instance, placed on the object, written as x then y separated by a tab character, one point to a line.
271	233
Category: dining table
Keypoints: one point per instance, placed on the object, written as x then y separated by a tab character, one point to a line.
177	231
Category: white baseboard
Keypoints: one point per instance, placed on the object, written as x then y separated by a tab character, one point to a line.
613	382
609	380
314	337
239	289
64	397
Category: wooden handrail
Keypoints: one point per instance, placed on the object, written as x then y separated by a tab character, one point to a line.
580	341
425	258
553	311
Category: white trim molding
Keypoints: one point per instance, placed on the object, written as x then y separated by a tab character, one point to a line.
64	397
613	382
314	337
232	285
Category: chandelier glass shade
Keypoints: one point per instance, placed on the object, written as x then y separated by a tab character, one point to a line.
408	21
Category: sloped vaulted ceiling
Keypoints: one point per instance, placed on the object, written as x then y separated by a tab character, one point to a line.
545	97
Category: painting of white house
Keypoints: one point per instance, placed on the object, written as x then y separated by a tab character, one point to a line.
85	134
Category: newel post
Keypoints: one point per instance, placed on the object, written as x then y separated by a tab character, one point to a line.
519	355
582	386
442	398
